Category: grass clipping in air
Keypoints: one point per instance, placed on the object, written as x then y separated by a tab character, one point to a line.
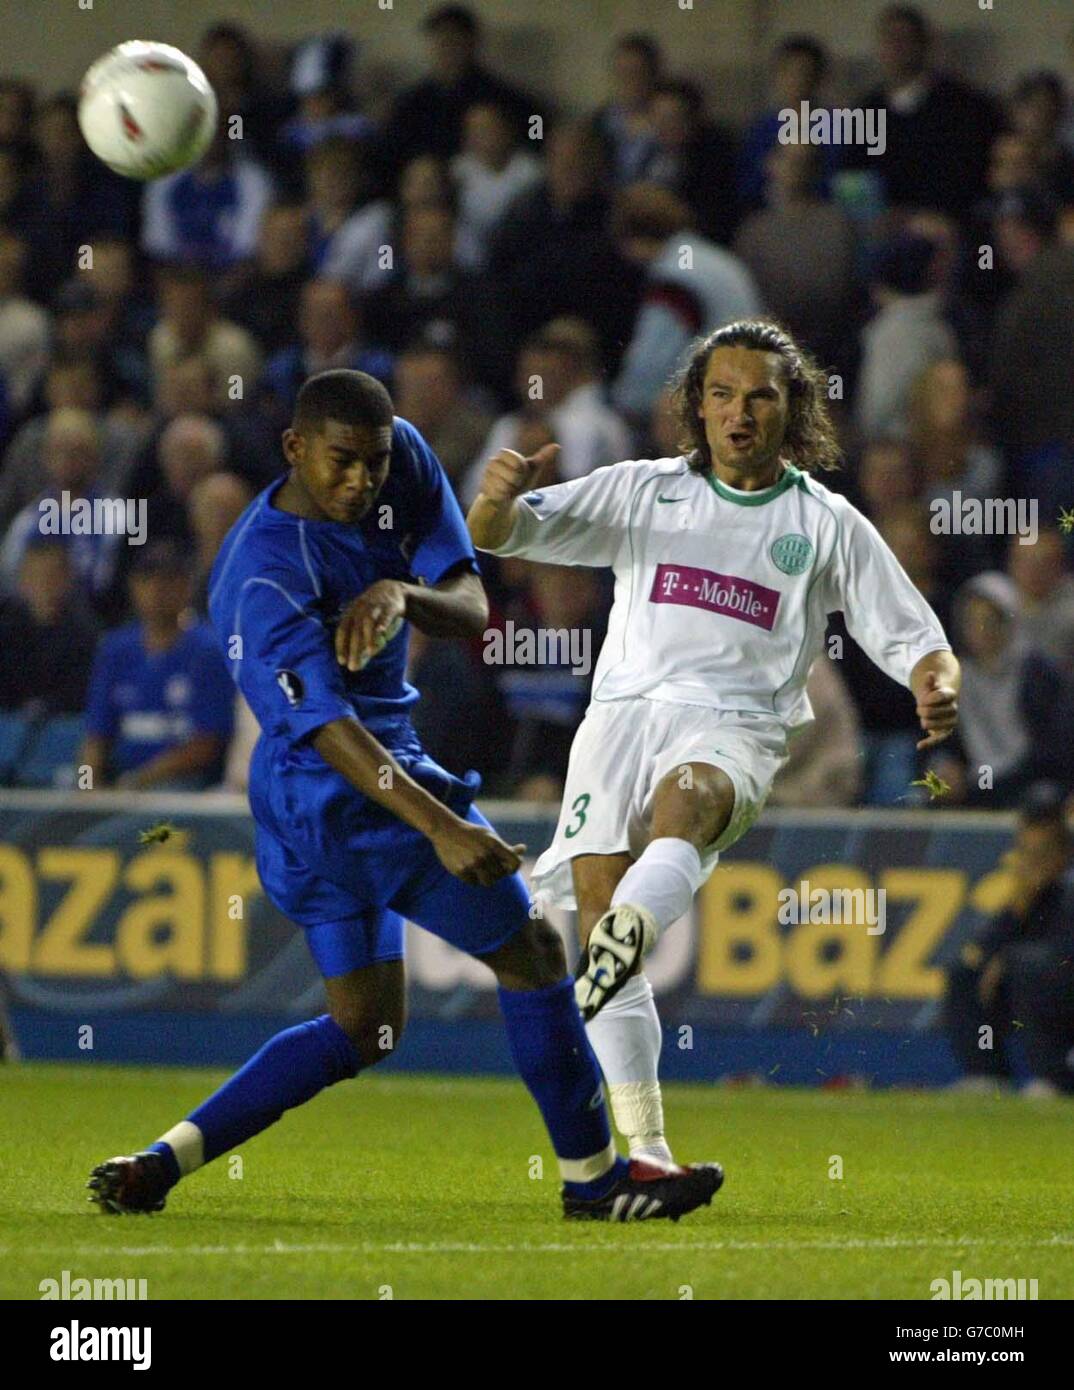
936	787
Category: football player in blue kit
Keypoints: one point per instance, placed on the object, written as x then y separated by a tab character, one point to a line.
357	828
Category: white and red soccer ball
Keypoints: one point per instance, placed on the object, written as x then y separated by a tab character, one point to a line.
146	110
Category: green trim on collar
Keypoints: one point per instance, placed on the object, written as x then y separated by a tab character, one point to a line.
789	478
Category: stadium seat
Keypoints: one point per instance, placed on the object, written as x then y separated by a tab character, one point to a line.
49	758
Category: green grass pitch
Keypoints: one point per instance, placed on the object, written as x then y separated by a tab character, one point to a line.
420	1187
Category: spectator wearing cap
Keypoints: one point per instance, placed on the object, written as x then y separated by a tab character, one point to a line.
562	358
938	129
321	75
160	708
53	630
428	117
429	392
24	329
492	170
190	325
72	459
349	225
691	287
1014	707
904	336
625	123
1016	971
208	215
331	335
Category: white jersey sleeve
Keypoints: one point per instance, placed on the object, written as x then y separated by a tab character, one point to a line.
582	522
885	612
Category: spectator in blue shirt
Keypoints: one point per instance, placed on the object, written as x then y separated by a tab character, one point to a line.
161	702
211	214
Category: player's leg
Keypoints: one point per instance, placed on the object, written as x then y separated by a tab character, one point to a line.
549	1045
626	1033
624	905
691	808
362	1026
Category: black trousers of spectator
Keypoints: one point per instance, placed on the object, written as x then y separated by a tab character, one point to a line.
1035	997
964	1016
1042	1001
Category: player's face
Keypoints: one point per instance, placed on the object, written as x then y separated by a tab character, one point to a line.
341	467
744	407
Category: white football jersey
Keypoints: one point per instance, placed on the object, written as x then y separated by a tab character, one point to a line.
722	596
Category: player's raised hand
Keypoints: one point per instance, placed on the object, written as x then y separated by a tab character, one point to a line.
508	475
369	622
474	853
937	709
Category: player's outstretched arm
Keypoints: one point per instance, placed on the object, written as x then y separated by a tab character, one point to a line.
454	607
936	681
470	852
491	519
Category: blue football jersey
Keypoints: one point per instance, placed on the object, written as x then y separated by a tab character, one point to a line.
280	584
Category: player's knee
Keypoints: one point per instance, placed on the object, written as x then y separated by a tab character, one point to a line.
694	802
532	959
373	1037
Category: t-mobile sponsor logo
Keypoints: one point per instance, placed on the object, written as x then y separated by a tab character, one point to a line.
719	593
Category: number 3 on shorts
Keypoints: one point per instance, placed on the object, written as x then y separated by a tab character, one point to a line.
578	806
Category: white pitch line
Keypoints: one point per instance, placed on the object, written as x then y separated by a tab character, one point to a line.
548	1247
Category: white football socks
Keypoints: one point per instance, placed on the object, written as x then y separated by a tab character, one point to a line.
626	1037
663	881
626	1034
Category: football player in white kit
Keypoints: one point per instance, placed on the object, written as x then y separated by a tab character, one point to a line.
728	560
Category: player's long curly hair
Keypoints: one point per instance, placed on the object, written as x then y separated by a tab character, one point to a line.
810	442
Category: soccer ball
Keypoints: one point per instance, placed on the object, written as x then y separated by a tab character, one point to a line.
146	109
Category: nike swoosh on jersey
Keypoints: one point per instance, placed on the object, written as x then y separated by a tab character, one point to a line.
671	499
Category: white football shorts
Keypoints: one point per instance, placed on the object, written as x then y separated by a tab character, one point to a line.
622	750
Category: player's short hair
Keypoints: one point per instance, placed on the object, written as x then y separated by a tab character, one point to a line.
810	441
355	398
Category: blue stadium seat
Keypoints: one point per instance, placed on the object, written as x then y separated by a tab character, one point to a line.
49	761
14	733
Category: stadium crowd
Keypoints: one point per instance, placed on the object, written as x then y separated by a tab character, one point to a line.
515	276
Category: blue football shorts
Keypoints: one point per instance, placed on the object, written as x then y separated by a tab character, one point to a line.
350	873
